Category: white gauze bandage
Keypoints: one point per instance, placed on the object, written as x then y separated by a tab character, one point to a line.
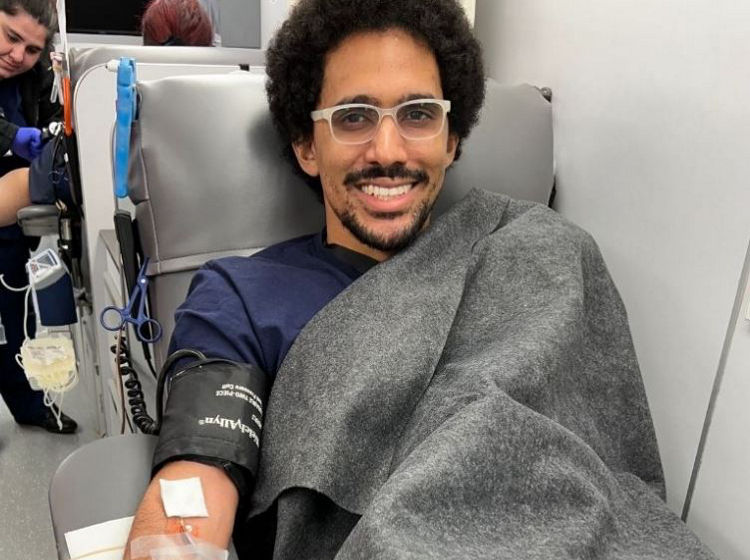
183	498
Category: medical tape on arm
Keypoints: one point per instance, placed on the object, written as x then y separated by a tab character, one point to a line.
214	409
175	547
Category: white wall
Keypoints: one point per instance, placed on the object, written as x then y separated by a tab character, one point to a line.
272	14
470	8
240	24
652	134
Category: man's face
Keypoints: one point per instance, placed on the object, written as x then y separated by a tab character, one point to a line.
22	40
382	69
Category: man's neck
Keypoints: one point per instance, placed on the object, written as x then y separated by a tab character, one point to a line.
354	244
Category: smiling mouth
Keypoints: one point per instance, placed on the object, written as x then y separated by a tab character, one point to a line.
386	193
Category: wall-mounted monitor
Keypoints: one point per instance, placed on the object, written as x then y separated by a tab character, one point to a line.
120	17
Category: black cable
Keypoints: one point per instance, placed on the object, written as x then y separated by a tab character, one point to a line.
120	387
136	400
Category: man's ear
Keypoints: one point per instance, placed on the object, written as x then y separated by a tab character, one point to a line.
451	148
305	151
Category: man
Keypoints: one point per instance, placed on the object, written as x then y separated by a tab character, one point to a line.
365	447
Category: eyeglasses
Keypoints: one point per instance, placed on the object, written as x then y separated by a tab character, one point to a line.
358	123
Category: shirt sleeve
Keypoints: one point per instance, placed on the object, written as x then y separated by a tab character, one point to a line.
215	320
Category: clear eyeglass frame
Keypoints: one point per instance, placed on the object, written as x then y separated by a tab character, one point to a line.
327	115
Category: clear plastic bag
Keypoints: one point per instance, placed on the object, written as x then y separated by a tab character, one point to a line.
49	363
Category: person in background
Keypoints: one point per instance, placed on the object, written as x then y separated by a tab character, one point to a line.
176	23
26	31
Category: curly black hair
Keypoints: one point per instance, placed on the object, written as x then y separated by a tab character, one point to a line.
296	56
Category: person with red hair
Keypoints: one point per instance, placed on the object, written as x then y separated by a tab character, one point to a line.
176	22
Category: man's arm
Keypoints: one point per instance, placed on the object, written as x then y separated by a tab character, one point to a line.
14	194
219	492
208	322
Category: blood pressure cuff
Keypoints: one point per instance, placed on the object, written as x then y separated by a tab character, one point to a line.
214	414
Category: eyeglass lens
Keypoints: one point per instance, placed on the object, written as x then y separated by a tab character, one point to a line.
415	121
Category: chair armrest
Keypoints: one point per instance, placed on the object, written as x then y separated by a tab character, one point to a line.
101	481
38	220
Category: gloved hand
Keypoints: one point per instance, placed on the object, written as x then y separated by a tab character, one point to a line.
27	143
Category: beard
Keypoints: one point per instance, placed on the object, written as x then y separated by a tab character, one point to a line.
394	241
388	243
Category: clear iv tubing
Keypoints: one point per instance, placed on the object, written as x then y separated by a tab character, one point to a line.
191	541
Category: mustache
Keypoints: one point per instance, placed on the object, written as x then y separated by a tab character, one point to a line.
394	171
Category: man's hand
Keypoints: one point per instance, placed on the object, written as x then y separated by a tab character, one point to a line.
27	143
221	501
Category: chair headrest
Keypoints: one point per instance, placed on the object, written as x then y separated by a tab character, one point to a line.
208	175
509	151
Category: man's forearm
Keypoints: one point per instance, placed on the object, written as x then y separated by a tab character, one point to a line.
221	501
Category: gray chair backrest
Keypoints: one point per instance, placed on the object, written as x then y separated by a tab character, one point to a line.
85	58
509	151
208	177
208	180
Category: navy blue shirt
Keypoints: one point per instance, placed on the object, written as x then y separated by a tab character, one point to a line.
10	103
251	309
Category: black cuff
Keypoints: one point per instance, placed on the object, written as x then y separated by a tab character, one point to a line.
214	415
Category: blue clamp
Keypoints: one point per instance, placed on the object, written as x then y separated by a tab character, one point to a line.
126	107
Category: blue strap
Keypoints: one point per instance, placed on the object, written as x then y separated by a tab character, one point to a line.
126	101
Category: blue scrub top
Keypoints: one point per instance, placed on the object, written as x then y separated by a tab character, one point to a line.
251	309
10	103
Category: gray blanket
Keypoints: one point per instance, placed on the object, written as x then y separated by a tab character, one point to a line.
476	396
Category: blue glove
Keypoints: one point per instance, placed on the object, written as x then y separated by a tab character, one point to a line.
27	143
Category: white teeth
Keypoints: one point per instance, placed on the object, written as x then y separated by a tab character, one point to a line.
385	193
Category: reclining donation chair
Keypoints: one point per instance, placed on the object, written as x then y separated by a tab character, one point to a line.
208	180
